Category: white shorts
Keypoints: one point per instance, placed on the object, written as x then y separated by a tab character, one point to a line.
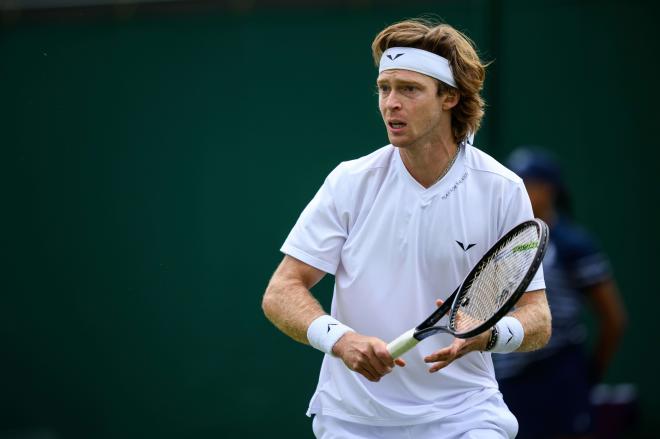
491	419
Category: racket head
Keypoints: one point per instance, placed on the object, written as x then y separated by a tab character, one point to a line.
498	280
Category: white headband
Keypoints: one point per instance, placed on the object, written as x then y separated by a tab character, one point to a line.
417	60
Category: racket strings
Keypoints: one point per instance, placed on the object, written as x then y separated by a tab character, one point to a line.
496	280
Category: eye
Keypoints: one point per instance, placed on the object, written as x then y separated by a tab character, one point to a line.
383	88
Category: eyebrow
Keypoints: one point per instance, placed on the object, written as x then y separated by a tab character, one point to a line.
399	82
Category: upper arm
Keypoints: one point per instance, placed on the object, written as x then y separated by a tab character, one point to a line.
535	298
321	229
288	303
534	315
292	270
533	312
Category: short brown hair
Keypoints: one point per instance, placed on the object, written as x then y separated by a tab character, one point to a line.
442	39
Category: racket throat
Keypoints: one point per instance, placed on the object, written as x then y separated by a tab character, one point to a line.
427	332
441	311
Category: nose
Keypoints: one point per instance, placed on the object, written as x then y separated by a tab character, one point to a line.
392	101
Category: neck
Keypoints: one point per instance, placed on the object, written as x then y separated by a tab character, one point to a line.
428	163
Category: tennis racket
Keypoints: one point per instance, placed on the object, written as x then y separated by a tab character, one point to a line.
489	291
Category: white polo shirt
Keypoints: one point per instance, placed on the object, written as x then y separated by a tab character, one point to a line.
394	248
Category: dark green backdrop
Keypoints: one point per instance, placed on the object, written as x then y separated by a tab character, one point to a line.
152	164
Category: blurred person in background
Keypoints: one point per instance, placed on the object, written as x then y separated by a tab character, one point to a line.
548	390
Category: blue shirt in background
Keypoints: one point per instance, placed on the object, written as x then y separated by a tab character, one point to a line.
573	263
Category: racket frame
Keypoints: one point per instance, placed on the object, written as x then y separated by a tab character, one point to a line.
522	285
428	328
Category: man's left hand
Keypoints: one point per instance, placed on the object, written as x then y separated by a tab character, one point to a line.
459	347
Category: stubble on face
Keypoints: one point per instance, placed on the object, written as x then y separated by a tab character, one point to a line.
411	109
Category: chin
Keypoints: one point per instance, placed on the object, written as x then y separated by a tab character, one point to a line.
399	143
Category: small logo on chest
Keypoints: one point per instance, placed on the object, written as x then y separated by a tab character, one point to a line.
465	247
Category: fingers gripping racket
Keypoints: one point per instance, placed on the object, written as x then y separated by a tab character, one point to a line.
489	291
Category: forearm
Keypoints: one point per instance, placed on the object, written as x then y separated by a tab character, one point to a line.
534	314
606	345
290	306
612	319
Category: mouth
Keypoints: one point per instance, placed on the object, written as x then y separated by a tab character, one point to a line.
396	125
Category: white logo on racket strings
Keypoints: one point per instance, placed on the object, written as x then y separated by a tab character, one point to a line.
520	248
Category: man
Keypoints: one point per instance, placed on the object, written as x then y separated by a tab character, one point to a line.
576	272
399	229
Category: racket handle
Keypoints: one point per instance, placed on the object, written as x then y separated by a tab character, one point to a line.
402	344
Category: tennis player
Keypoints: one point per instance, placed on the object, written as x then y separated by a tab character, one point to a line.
399	229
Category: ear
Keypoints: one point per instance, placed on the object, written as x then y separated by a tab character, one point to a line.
451	99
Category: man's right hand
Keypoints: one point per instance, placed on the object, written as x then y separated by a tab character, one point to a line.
367	356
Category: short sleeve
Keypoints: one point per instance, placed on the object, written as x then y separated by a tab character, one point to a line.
517	210
320	232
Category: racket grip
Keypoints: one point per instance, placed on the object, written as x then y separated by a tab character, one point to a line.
402	344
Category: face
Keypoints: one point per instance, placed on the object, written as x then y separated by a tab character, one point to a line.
411	108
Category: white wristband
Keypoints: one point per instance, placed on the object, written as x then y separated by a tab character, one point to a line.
510	335
324	332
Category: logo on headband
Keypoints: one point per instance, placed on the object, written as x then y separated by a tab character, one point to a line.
395	56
